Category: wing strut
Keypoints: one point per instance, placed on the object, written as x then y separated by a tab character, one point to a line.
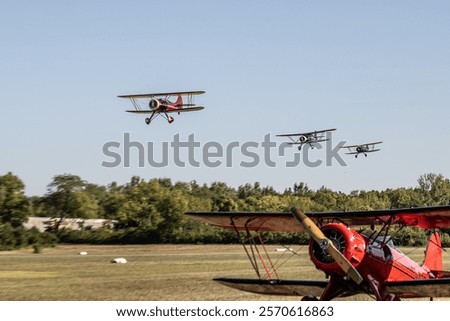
250	258
254	254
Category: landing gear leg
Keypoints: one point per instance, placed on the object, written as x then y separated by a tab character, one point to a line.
335	287
170	119
149	119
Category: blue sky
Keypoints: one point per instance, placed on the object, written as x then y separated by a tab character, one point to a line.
375	70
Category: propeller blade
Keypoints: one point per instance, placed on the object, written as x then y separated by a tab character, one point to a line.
316	233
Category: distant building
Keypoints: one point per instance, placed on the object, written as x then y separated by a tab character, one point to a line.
43	223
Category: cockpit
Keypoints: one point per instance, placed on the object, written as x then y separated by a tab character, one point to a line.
380	245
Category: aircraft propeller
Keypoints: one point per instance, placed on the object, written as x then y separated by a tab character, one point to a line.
327	245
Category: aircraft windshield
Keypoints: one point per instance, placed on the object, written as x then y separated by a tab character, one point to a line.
381	240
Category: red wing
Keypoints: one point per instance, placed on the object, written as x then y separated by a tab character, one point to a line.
420	288
423	217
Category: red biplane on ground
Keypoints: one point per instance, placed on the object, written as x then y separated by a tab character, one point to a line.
161	104
354	262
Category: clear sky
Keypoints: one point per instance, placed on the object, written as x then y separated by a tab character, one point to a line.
375	70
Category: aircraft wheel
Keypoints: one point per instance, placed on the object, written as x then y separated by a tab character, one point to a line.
309	298
356	156
170	119
300	147
147	121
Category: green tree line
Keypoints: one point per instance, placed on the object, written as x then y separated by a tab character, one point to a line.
152	211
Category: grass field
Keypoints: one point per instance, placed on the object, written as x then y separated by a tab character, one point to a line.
153	272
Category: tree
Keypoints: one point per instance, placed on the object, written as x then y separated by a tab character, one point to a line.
172	207
302	189
223	198
138	208
325	197
14	207
434	188
68	196
404	197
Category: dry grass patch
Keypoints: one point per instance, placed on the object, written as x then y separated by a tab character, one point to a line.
153	272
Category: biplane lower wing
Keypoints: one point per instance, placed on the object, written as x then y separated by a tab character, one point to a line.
183	110
422	217
364	152
276	287
140	111
420	288
312	142
180	110
426	288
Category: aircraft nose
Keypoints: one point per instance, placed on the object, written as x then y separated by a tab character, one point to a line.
153	104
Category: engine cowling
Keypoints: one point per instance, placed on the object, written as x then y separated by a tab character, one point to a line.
303	139
359	149
349	242
154	104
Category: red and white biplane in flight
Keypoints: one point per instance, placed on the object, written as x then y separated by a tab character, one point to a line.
354	261
161	104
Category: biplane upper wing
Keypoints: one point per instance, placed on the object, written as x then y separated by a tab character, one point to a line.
176	93
423	217
308	133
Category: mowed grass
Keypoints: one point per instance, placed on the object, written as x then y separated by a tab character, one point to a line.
153	272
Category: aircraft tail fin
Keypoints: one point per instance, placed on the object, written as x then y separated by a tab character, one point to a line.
433	253
179	101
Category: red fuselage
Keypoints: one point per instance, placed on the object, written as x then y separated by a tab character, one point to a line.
376	259
162	105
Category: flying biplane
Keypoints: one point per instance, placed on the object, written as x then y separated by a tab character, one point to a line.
310	138
160	104
363	261
362	149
